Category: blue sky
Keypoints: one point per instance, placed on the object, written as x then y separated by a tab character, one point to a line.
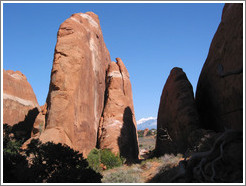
151	39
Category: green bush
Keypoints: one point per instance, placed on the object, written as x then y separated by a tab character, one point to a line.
109	159
94	160
10	144
103	156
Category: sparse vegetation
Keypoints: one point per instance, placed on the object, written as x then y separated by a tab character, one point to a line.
146	143
151	132
140	133
123	176
143	172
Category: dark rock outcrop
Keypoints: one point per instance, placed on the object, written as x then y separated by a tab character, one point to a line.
219	94
219	100
222	163
177	115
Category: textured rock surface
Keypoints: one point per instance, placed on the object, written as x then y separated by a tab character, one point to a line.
219	94
177	115
118	125
20	106
39	124
76	95
18	97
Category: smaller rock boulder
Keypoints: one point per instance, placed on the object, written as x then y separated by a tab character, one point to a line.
145	132
20	106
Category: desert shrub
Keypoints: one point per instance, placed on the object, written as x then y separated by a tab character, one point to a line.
140	133
57	163
110	159
10	144
121	176
41	163
94	160
103	156
14	164
13	167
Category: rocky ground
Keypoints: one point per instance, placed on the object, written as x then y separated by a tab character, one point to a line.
146	145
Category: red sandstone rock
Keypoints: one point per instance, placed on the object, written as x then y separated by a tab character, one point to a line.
20	106
118	128
219	94
39	124
76	95
145	132
177	115
18	97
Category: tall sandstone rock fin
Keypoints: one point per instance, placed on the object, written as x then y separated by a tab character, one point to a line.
219	94
20	106
76	94
177	115
118	130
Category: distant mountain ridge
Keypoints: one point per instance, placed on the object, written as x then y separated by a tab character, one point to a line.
150	123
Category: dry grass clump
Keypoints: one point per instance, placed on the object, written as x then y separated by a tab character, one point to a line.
142	172
123	174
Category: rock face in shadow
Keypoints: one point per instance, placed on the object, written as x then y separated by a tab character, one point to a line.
20	106
219	94
76	94
219	100
177	115
117	130
39	124
221	163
